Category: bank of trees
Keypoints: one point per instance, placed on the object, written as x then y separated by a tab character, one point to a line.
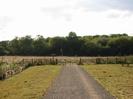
72	45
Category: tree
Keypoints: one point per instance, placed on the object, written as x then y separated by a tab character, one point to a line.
99	45
26	45
73	44
15	46
4	48
40	46
72	35
120	46
58	45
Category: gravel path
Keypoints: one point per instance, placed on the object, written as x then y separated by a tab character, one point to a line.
75	83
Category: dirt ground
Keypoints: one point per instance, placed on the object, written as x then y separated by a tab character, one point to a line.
74	83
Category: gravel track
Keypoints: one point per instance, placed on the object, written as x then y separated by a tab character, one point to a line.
74	83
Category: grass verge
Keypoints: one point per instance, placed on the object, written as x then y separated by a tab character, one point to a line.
116	79
30	84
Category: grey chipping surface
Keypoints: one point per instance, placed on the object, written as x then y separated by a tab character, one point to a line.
74	83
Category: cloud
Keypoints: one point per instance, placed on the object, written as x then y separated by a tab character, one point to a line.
118	14
102	5
62	10
59	17
4	20
58	12
67	9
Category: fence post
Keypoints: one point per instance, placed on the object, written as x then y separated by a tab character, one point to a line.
125	60
107	61
116	60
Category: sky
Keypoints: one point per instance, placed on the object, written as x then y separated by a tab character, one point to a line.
59	17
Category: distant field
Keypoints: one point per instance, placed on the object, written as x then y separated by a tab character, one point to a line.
30	84
116	79
75	59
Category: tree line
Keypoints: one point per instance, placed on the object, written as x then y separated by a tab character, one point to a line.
71	45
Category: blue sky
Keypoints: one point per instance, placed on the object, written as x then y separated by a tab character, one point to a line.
109	4
59	17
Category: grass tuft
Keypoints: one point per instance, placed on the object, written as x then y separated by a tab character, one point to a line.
30	84
116	79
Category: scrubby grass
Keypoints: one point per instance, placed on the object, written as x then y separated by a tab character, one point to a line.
30	84
116	79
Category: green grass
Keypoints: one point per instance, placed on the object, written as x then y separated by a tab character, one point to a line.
30	84
116	79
